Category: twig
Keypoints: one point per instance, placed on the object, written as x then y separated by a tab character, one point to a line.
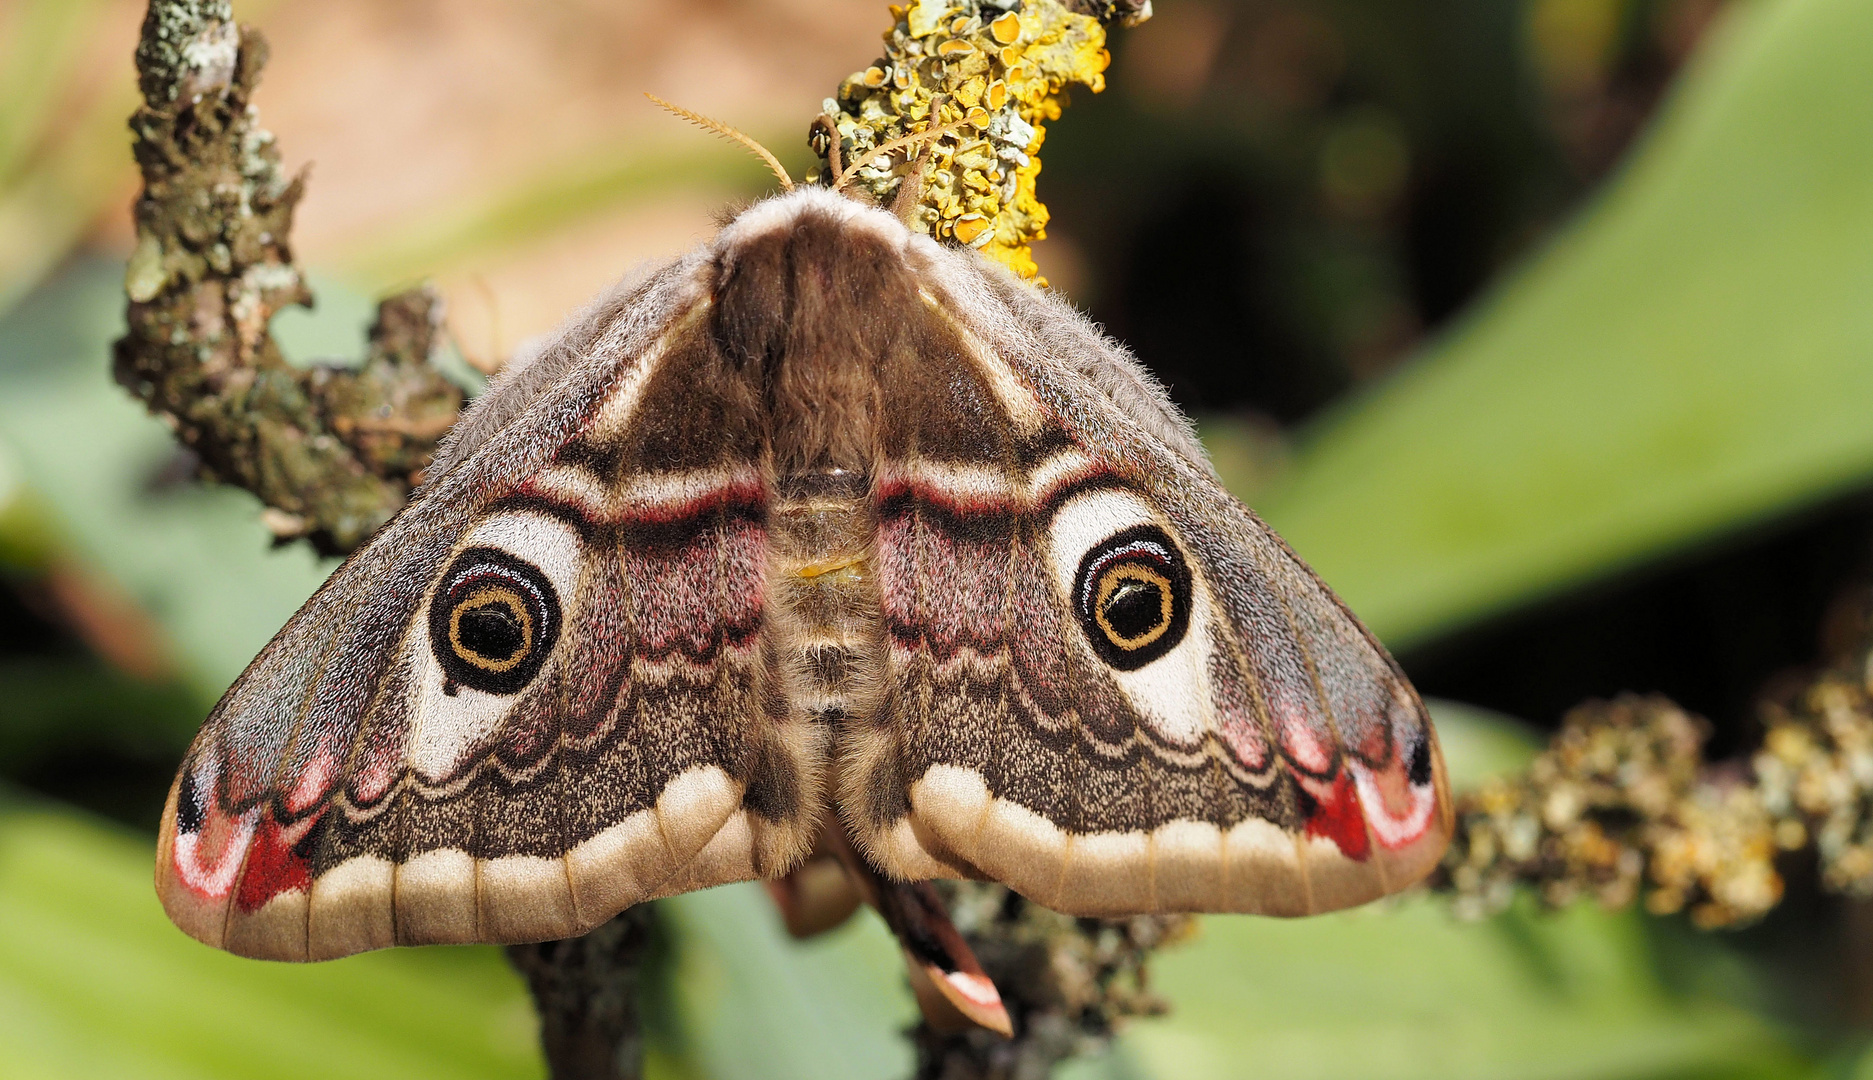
977	82
586	990
211	267
1067	984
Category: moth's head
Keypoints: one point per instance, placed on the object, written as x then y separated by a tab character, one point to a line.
786	212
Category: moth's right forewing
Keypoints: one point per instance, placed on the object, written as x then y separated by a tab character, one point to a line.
1268	756
610	334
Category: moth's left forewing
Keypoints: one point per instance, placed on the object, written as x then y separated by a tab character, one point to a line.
1261	753
373	779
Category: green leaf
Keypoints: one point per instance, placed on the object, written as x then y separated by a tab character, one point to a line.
1403	991
39	50
753	1004
95	982
1693	355
1481	743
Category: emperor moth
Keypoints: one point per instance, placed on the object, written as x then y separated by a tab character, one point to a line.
822	525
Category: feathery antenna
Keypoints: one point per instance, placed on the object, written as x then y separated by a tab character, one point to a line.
719	128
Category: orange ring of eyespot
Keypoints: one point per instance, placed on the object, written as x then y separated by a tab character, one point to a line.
484	597
1109	583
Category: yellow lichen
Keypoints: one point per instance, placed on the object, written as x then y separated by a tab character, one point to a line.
998	68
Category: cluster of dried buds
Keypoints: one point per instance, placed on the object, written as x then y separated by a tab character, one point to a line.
1621	803
993	72
1815	773
1617	802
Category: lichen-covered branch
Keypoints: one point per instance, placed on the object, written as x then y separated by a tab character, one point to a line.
1067	983
586	990
1622	805
332	452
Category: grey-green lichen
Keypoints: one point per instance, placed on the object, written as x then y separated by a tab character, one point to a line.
188	48
331	451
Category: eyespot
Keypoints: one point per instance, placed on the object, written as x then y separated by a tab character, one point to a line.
1132	597
493	622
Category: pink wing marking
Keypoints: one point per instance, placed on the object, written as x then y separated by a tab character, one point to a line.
679	500
1037	642
207	861
1399	811
380	758
1235	712
681	606
315	782
963	584
1304	737
210	844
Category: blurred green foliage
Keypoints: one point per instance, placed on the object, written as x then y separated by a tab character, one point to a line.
1686	359
1694	355
62	152
96	983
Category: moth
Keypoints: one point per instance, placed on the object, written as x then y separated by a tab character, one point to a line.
822	528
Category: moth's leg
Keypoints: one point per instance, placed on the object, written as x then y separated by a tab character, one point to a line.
910	190
814	897
952	990
824	128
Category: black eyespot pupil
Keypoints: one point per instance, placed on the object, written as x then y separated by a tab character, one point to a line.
493	631
1418	767
1132	595
1134	609
493	622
